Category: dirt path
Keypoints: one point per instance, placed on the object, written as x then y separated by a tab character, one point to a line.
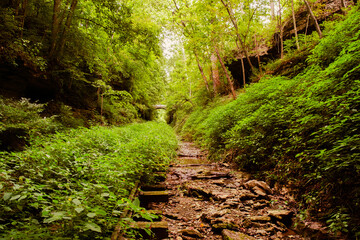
211	201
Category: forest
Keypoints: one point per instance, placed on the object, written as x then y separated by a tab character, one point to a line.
271	87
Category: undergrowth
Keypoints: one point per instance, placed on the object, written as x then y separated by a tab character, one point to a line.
75	184
303	129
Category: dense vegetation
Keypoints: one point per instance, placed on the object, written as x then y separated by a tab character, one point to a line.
302	130
102	58
75	184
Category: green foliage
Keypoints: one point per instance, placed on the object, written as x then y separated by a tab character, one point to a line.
302	129
25	116
75	184
114	42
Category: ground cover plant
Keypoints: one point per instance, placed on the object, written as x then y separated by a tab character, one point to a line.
301	129
75	184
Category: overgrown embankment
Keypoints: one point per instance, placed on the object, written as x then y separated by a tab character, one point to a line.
303	131
75	184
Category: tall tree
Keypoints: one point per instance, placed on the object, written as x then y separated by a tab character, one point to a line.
231	85
202	72
294	21
55	27
215	73
229	10
314	18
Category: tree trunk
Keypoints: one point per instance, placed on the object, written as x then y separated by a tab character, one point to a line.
281	42
226	73
272	9
257	53
314	18
307	26
202	73
67	26
243	70
24	6
16	6
215	73
343	5
242	67
229	11
295	28
281	29
55	27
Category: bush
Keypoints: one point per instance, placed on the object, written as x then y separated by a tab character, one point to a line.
75	184
21	119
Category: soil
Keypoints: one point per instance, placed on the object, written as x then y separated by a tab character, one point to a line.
213	201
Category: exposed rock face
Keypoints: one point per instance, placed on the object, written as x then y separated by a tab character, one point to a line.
324	10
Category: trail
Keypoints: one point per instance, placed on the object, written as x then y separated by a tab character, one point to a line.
212	201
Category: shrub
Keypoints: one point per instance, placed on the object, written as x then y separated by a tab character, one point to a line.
75	184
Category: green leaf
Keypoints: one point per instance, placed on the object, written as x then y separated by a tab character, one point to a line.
136	202
76	201
93	227
100	212
22	197
7	209
6	196
79	209
55	217
91	215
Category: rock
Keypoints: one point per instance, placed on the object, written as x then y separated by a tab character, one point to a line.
261	232
313	230
213	214
232	235
232	202
191	233
260	218
212	175
198	191
261	184
219	182
280	214
172	216
259	191
224	225
221	196
259	205
246	194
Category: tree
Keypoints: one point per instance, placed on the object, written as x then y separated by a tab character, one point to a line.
229	10
294	21
314	18
231	85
